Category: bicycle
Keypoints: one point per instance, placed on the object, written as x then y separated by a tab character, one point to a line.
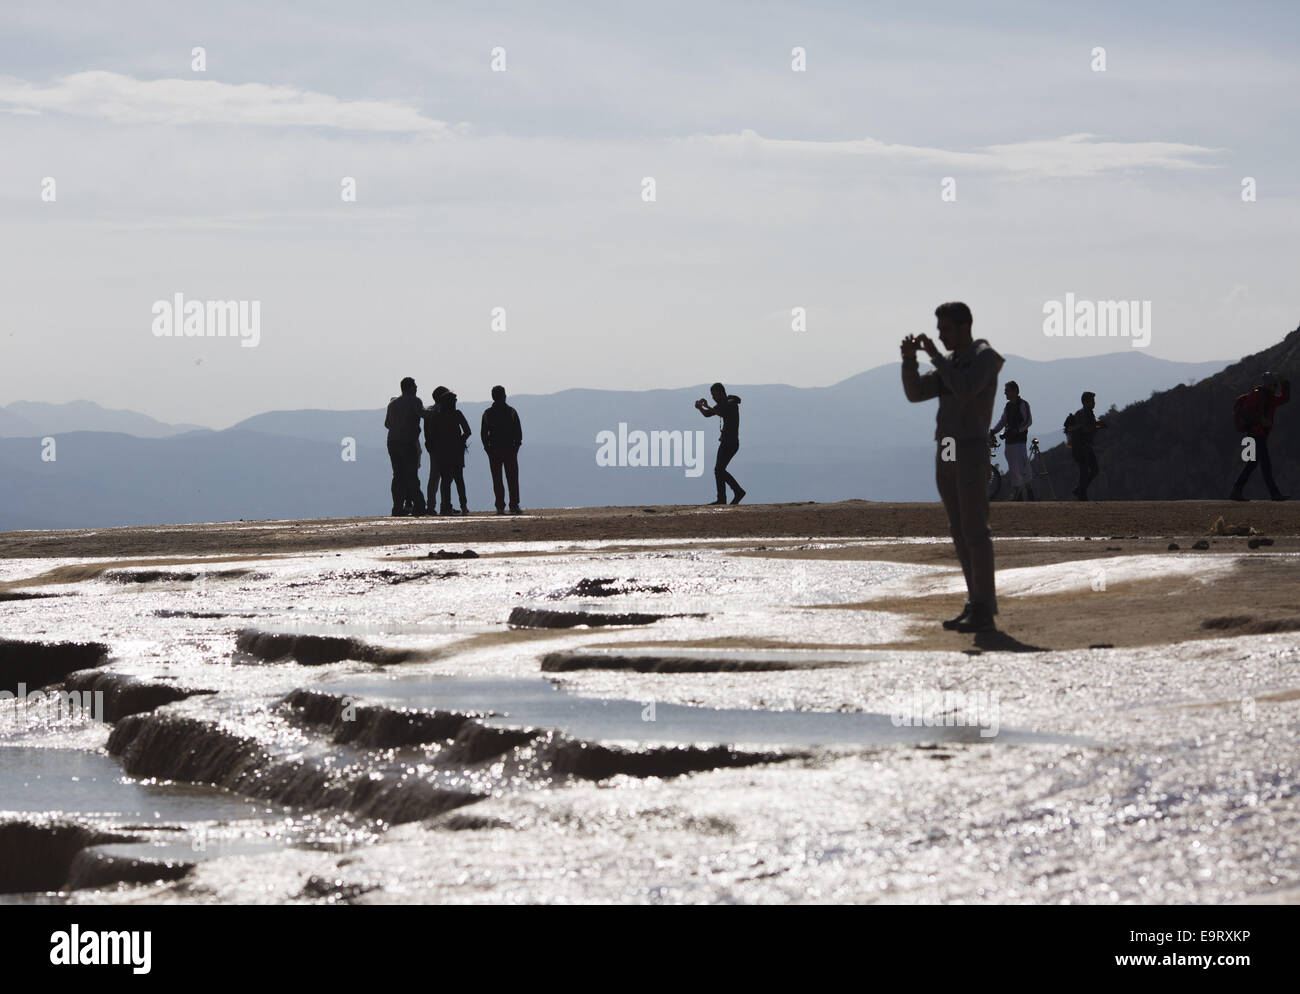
995	472
1036	465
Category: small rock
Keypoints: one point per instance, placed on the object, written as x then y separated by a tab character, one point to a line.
1173	546
1255	543
1202	544
1102	645
444	554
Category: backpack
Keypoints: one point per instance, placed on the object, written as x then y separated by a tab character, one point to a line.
1071	423
1245	411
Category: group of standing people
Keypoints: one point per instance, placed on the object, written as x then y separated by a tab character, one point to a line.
446	438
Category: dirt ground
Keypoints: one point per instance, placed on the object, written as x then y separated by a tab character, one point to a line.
1261	595
846	519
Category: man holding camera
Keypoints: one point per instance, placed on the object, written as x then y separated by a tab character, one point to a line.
965	381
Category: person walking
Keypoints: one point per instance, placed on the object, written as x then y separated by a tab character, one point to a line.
965	381
1253	412
502	435
727	407
403	423
1081	429
1014	424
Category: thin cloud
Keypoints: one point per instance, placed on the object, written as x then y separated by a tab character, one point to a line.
1067	156
120	99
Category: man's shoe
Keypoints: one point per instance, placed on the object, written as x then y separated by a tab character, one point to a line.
979	620
715	503
952	623
464	509
397	512
1237	495
1280	497
740	495
516	510
501	510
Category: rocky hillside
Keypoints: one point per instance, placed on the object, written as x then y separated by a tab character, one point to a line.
1181	442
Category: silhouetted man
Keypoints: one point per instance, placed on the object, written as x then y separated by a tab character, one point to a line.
1253	413
727	407
450	434
501	435
429	432
403	424
1080	435
966	383
1014	424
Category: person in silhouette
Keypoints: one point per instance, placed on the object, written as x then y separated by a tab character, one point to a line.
1253	413
1081	432
1014	424
502	435
403	423
450	435
727	407
430	431
966	383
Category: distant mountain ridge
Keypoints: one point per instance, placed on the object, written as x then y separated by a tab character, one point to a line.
857	438
28	419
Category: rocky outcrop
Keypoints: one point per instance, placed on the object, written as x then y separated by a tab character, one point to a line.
316	650
171	576
39	664
38	855
561	662
125	695
537	617
194	750
99	867
374	726
608	586
440	749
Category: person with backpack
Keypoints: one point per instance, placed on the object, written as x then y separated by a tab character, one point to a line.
1014	425
1081	428
1253	414
502	435
450	435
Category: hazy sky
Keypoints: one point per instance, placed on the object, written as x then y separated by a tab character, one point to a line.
522	190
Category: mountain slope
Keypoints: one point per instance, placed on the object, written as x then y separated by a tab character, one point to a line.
1181	442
